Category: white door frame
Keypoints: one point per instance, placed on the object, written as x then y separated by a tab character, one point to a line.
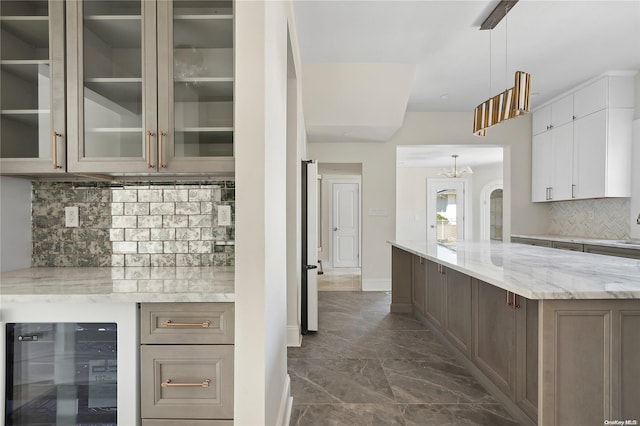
485	207
466	214
357	181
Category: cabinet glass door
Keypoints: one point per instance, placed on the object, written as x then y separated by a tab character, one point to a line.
197	119
112	79
32	79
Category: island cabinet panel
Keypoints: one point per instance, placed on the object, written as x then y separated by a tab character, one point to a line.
589	361
527	356
436	288
458	310
418	284
629	346
401	280
494	335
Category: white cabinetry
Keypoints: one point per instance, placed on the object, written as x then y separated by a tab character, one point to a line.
581	143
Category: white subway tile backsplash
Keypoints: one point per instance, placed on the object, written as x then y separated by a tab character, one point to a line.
206	208
116	234
117	209
188	260
124	221
163	260
162	208
202	247
121	247
188	234
163	234
175	221
136	209
135	225
176	195
136	234
149	221
200	194
200	220
137	260
150	247
150	195
176	247
188	208
124	195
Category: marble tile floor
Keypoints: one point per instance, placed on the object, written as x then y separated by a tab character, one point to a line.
366	366
340	279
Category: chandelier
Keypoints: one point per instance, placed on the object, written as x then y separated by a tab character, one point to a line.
455	173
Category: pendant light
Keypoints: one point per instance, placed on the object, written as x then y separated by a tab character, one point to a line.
514	101
455	173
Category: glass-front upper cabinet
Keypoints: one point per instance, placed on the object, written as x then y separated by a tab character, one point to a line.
152	86
32	95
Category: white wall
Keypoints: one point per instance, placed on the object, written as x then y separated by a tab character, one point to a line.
635	170
411	198
262	390
15	223
433	128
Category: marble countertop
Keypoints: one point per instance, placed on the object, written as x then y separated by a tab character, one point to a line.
537	272
118	284
629	244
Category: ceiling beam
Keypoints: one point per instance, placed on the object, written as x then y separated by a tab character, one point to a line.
496	15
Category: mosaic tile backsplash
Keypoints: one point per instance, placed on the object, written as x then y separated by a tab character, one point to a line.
600	218
133	225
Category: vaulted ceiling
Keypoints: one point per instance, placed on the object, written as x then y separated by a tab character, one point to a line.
448	63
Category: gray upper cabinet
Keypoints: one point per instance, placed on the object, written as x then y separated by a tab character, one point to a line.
32	100
150	86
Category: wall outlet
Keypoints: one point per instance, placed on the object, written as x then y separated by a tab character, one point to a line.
224	215
71	217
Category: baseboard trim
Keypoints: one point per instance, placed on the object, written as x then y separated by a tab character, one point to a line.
376	284
284	414
294	338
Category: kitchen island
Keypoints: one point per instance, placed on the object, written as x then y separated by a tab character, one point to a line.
555	334
173	324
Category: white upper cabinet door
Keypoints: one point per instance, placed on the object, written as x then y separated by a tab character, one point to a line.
541	120
562	111
591	98
541	167
562	153
590	151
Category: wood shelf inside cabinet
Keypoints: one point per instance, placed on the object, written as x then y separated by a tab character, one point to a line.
114	130
118	31
205	31
27	69
30	117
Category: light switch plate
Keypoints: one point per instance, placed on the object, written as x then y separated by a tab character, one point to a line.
71	217
224	215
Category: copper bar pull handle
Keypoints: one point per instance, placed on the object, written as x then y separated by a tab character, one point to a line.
161	162
508	299
515	301
54	150
169	384
149	164
169	323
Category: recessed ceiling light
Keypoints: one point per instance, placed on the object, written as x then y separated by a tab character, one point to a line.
535	94
347	134
444	96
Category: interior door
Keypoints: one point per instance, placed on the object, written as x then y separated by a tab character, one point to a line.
445	205
346	225
309	291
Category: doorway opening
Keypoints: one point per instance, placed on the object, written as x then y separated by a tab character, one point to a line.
492	211
340	227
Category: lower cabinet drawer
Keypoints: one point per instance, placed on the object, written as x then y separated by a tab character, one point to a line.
185	422
186	382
